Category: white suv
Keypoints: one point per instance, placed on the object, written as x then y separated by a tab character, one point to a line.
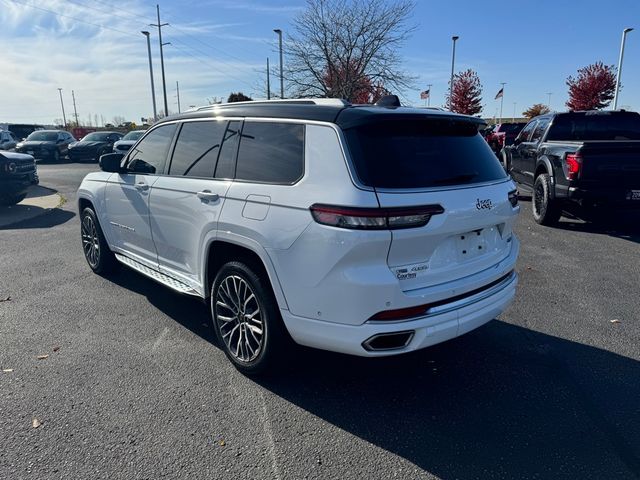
367	230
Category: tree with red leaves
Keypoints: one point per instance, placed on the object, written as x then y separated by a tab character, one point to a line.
593	89
352	85
466	96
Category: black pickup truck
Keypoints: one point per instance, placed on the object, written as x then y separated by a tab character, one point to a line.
17	172
589	160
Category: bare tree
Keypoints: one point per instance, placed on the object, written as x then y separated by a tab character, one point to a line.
339	47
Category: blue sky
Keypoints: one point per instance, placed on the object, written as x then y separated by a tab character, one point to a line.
219	46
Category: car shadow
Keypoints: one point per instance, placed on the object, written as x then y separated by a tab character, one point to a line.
38	217
619	224
500	402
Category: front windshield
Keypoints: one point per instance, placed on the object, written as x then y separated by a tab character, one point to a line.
133	135
96	137
43	136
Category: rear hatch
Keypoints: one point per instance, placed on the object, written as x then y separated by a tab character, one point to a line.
437	161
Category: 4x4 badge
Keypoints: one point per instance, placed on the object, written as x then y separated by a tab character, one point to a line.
484	204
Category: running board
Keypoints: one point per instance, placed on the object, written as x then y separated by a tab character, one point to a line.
159	277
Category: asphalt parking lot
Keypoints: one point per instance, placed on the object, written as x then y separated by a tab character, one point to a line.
134	385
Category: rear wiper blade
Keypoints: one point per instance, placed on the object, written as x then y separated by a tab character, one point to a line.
463	177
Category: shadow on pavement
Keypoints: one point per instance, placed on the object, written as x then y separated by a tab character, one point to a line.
500	402
39	217
618	224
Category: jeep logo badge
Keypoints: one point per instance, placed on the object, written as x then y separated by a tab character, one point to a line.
484	204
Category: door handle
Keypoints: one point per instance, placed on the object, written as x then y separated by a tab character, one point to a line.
142	187
208	195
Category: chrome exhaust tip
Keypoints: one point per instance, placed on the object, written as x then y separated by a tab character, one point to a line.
383	342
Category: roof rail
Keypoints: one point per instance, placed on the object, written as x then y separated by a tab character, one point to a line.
337	102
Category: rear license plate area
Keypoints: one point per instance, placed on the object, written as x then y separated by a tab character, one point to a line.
633	195
471	245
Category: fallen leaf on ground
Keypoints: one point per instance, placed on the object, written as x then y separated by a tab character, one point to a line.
5	299
221	443
35	423
615	320
42	357
55	349
7	370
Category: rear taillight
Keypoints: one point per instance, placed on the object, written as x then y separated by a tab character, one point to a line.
574	165
513	198
374	218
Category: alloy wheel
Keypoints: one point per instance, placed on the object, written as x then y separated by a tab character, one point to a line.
239	318
90	241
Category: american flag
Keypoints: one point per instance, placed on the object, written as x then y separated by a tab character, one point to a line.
424	95
500	93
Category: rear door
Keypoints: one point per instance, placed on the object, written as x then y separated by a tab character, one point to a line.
441	163
519	153
185	205
127	196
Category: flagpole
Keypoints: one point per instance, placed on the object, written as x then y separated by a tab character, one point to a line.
502	100
429	97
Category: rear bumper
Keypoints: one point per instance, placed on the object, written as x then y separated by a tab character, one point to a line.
450	321
604	196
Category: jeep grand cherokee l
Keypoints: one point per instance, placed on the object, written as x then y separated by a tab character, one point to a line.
366	230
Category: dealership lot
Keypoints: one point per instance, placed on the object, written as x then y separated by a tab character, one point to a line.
135	387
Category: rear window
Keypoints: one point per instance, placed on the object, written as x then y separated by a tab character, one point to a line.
595	126
421	154
511	127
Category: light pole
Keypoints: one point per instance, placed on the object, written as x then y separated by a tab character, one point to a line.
153	89
64	118
453	61
268	81
624	37
279	32
164	83
549	102
429	96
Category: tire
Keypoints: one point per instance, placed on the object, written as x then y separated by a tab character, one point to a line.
96	251
8	199
546	211
252	336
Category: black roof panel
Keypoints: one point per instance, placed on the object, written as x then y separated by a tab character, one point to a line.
345	116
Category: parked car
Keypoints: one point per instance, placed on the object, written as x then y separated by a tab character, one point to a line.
502	135
578	159
8	140
91	147
358	229
128	141
20	130
17	173
46	144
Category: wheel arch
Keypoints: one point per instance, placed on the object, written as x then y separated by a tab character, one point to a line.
229	247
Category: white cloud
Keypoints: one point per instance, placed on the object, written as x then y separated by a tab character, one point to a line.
107	69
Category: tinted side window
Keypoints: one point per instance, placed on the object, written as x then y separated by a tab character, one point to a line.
150	154
271	152
197	149
539	130
226	160
526	131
